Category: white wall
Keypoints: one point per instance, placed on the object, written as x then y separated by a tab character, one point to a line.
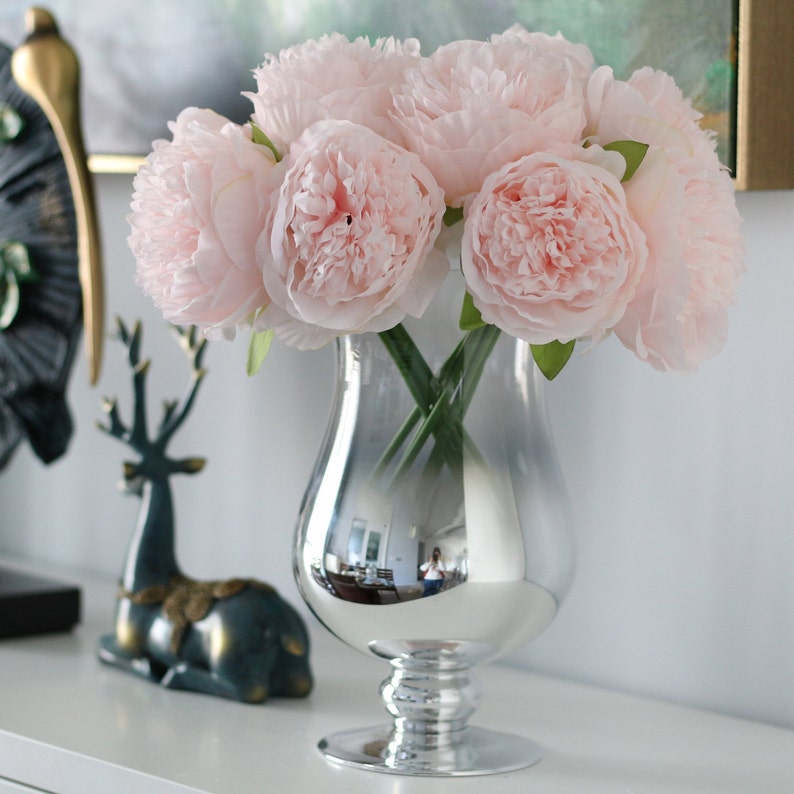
681	487
683	495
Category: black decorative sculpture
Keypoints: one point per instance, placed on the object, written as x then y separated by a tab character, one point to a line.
40	299
237	639
50	280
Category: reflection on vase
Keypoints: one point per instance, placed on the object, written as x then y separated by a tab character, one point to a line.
470	510
434	573
369	584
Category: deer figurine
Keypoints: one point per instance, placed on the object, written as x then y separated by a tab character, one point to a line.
238	638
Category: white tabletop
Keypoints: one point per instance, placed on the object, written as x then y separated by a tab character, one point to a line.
73	726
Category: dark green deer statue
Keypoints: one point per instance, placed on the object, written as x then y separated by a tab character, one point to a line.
238	638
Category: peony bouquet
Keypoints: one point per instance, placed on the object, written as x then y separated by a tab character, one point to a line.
584	205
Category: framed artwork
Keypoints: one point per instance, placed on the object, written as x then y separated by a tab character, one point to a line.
144	62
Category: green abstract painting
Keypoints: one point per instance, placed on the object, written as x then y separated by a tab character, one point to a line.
144	61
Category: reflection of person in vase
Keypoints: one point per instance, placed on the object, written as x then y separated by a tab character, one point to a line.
433	571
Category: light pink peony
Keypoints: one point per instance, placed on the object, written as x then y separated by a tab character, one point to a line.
649	108
198	206
330	78
683	199
472	107
350	244
579	55
660	91
549	249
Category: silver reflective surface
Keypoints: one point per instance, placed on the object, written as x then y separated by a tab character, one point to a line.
435	548
380	750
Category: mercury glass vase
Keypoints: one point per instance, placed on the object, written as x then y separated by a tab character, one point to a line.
435	532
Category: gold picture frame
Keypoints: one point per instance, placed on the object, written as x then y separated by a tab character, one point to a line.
757	116
764	115
765	96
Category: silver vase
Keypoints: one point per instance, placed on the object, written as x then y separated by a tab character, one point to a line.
456	461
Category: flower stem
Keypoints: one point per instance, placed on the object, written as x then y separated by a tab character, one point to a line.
416	373
441	401
481	342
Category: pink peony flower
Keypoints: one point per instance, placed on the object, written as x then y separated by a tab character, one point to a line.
579	55
659	90
678	317
350	243
550	251
649	108
331	78
683	199
198	206
472	107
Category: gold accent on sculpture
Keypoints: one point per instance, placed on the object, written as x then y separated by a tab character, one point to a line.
46	68
293	646
186	601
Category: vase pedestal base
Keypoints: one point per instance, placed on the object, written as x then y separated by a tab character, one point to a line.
478	752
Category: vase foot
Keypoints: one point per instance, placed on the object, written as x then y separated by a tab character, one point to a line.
479	752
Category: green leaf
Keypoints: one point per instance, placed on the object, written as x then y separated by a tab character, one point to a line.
470	317
552	357
15	269
11	123
9	301
453	215
633	153
14	256
258	136
258	349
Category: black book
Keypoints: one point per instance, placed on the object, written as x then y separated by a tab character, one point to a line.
35	605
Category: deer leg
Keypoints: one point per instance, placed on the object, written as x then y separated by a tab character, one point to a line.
291	675
187	676
110	653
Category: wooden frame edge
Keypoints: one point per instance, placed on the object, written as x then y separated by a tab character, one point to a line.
765	96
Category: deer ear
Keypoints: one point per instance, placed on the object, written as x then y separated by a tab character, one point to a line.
132	480
192	465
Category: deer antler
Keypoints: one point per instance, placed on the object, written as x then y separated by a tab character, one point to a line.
136	435
174	413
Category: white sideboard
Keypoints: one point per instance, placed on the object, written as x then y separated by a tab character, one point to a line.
70	725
